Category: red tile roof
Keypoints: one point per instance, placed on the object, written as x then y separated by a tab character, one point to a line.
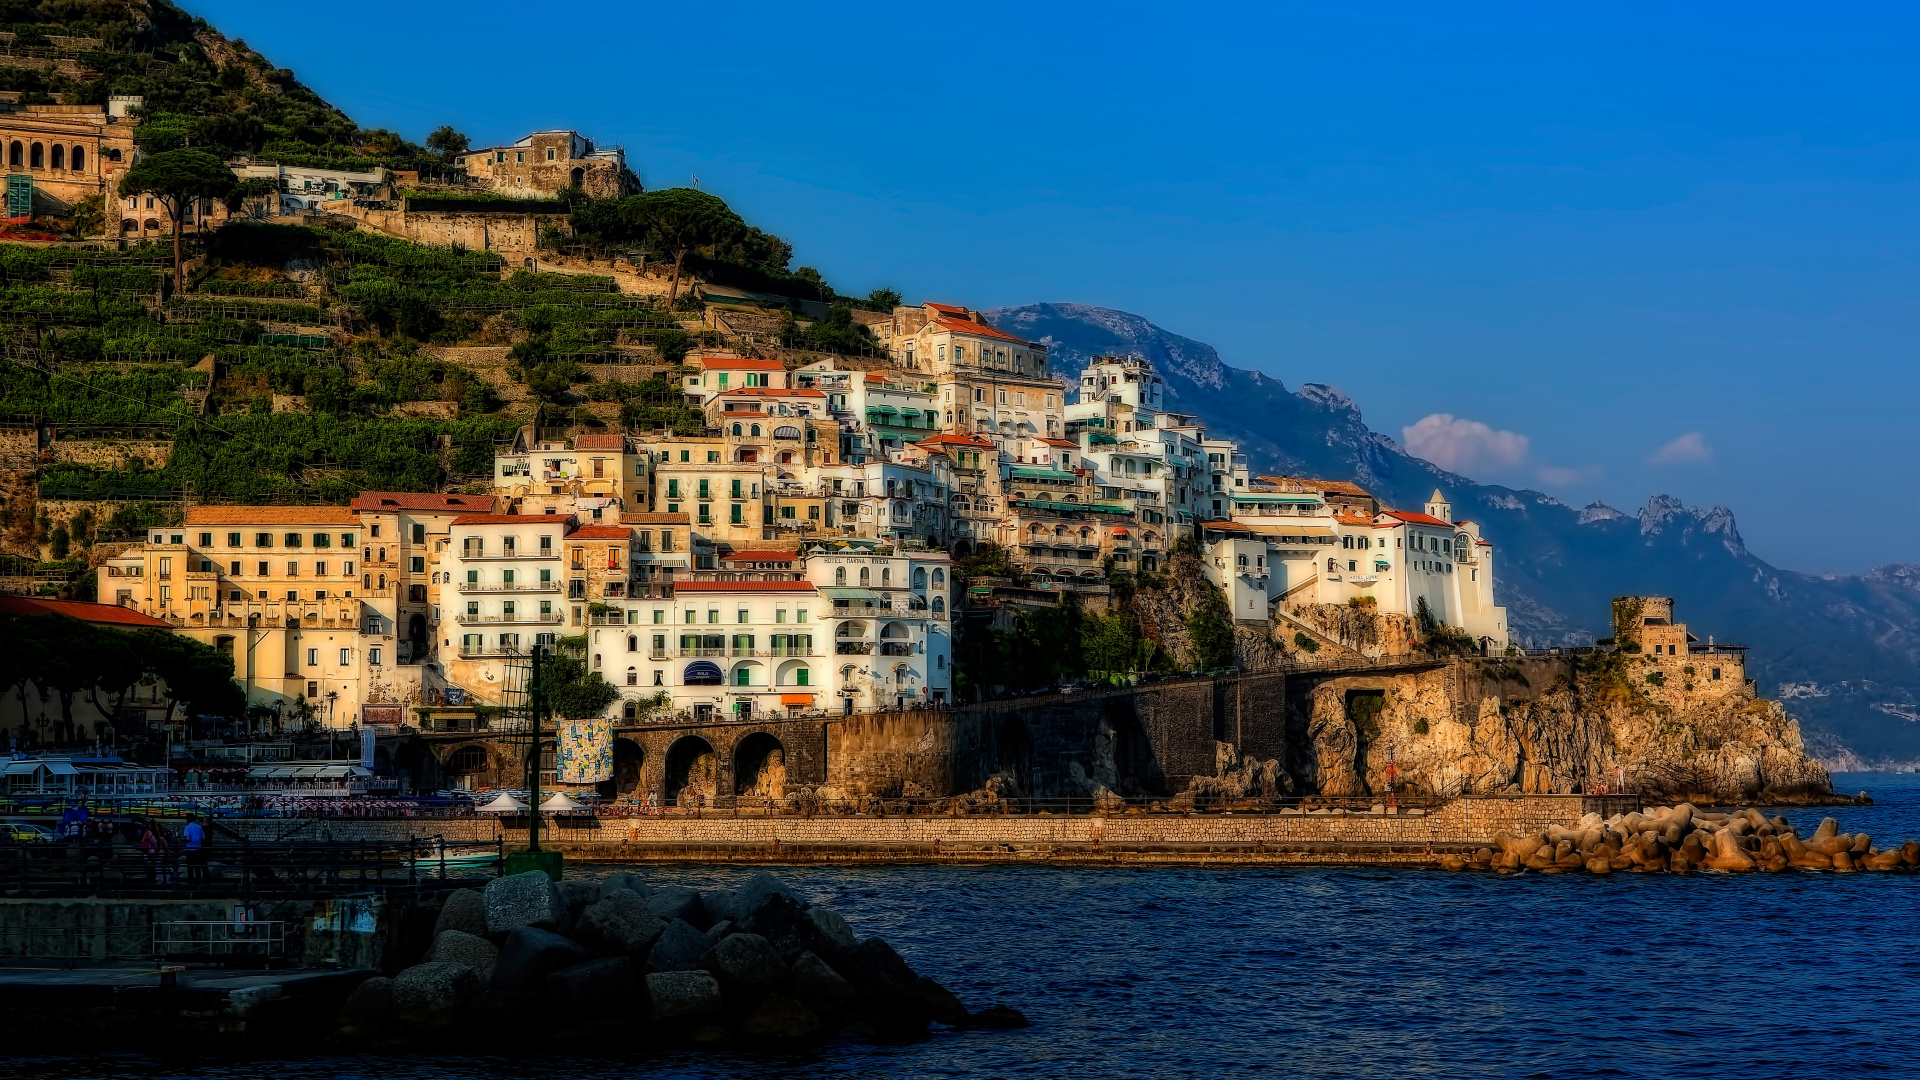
649	518
415	500
770	391
1416	518
947	307
599	442
740	363
1069	443
600	532
957	439
763	555
98	614
962	326
742	586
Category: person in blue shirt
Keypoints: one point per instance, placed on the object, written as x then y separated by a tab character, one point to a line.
194	839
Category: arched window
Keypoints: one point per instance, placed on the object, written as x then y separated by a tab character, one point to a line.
736	430
633	643
37	157
756	431
59	156
886	576
939	579
919	577
596	661
16	154
633	677
79	158
846	674
865	576
467	760
839	575
939	605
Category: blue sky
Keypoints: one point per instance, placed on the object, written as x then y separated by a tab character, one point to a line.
1603	252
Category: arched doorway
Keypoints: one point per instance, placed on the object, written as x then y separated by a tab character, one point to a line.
1013	753
467	767
760	766
628	760
578	177
692	772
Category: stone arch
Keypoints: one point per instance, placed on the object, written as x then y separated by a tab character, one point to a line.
760	766
894	631
961	550
794	673
578	177
1013	753
629	761
692	772
745	673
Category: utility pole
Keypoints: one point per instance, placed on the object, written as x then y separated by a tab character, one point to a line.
536	704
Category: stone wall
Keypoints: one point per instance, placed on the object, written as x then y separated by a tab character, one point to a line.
112	453
1470	820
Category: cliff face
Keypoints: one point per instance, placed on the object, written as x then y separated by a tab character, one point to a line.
1543	726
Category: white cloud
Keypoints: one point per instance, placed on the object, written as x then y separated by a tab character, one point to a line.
1688	449
1457	445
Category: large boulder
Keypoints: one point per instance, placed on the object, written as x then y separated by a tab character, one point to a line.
884	994
759	889
598	988
465	911
460	947
619	922
832	927
577	893
945	1007
818	986
746	966
370	1005
679	948
495	1010
624	882
718	904
529	899
431	995
871	960
531	954
780	919
677	902
683	996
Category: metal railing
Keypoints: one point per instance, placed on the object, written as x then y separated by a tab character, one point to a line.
219	941
238	867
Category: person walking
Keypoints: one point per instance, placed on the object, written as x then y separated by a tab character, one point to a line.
195	838
150	848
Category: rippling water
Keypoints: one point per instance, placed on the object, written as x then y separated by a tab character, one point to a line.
1333	973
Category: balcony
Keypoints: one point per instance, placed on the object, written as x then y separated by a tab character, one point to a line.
852	648
528	619
498	587
684	651
480	651
505	556
897	648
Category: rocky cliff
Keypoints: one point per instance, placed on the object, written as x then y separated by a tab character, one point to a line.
1843	653
1543	726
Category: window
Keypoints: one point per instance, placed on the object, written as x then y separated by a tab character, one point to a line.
321	540
417	564
313	657
373	654
742	616
313	690
659	616
293	569
293	540
259	540
743	676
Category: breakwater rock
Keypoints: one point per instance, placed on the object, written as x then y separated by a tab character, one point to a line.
619	960
1682	839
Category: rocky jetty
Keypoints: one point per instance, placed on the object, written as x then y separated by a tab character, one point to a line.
617	959
1683	839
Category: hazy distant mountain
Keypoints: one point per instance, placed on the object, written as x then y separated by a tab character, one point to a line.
1844	652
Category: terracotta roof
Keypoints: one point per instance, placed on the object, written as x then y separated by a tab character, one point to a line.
417	500
742	586
1346	517
1340	487
741	363
770	391
957	439
98	614
1413	518
512	519
1061	442
600	532
947	307
600	442
963	326
1225	526
272	515
762	555
646	518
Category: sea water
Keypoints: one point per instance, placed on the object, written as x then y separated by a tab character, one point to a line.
1327	973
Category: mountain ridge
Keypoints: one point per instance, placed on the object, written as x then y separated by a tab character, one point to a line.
1843	651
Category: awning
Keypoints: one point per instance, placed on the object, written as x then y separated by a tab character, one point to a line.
888	409
703	673
560	803
502	804
796	699
849	594
61	768
1119	531
22	768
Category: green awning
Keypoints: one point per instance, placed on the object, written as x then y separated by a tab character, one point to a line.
850	594
882	408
